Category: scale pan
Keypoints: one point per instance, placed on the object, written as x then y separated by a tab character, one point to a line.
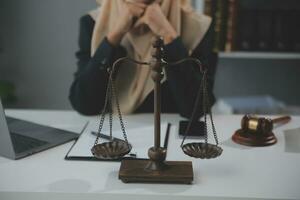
111	150
202	150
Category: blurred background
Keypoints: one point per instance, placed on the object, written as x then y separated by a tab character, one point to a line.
257	42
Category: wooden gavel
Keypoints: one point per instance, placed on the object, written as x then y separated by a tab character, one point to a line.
261	125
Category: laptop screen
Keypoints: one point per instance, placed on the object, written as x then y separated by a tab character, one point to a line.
19	138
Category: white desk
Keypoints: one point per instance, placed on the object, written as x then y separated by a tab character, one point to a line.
240	173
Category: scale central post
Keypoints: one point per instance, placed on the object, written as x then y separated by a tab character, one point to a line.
157	154
156	169
157	76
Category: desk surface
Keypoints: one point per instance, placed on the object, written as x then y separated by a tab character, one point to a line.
240	173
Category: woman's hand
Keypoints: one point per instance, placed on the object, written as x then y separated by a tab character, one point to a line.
158	23
129	11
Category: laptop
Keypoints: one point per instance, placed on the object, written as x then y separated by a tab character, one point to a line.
19	138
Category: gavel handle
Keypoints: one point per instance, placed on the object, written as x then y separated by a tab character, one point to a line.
281	120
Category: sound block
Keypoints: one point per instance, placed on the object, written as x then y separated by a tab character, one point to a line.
134	171
254	139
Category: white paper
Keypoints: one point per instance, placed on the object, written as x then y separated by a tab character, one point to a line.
141	139
292	140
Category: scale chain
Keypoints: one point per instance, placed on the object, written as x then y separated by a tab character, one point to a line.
115	93
102	117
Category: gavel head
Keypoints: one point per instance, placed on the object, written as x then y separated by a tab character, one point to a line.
256	125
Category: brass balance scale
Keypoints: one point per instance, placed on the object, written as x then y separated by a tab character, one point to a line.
156	168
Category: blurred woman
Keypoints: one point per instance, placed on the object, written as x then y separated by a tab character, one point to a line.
121	28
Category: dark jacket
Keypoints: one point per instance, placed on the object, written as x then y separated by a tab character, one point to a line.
88	89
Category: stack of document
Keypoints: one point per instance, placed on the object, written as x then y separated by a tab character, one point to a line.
141	139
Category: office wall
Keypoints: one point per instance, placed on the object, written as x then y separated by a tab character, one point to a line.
6	41
40	39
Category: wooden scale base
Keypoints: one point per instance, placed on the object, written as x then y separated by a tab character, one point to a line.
250	139
133	171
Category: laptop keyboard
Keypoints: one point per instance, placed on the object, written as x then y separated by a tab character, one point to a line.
23	143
